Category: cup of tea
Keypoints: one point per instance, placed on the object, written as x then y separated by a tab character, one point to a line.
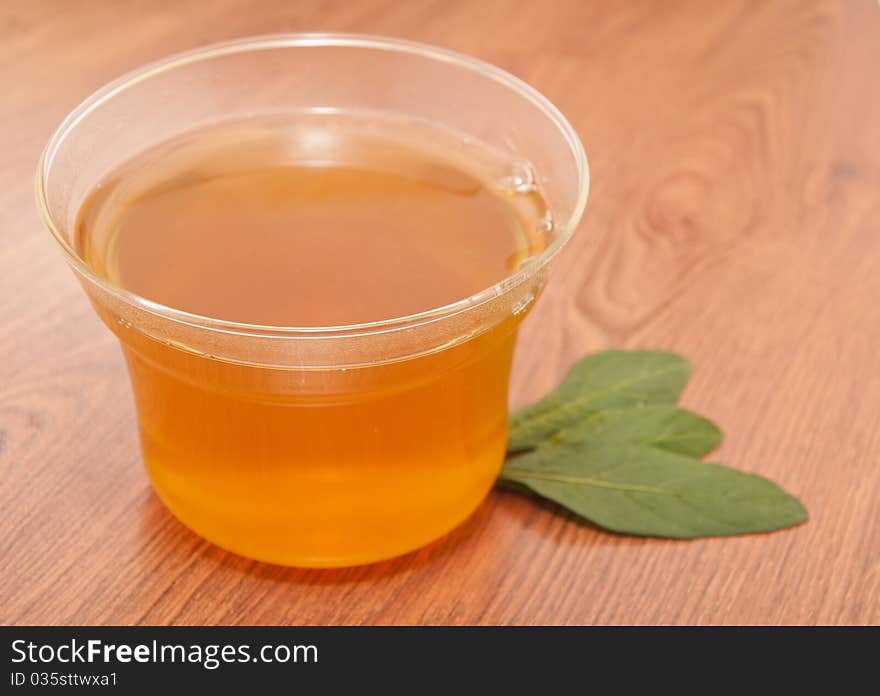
315	251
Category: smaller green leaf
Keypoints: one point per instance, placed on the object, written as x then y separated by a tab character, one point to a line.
643	490
666	427
610	379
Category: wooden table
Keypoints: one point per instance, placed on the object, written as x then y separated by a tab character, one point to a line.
734	217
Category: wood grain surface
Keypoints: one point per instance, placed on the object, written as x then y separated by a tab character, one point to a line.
734	217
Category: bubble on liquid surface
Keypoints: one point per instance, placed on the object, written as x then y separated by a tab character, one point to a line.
544	226
545	223
518	178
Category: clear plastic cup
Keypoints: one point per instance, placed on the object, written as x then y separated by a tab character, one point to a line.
287	444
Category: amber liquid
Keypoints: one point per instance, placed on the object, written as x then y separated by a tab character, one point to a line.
303	224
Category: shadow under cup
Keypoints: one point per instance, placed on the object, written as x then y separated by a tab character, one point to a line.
326	446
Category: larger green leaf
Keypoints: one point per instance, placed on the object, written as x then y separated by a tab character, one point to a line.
644	490
610	379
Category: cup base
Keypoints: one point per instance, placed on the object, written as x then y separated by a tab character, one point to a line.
293	559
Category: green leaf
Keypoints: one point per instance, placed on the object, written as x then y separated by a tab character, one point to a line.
644	490
610	445
610	379
663	426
